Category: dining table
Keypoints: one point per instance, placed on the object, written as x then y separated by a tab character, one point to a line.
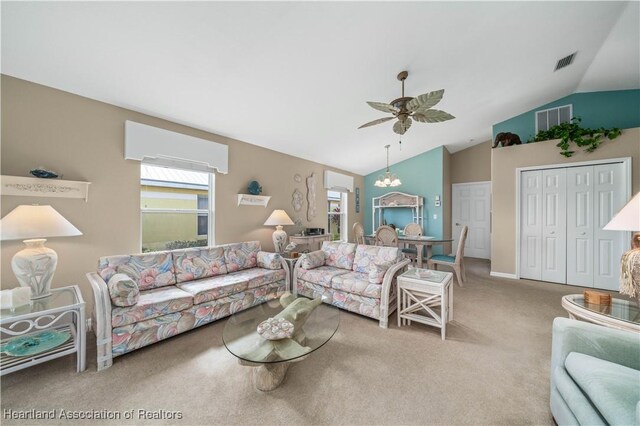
419	241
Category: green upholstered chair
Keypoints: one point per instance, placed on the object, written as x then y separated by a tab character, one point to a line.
456	262
595	374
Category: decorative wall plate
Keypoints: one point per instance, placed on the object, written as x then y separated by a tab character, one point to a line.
35	343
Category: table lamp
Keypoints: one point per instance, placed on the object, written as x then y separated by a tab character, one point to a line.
35	265
279	218
628	219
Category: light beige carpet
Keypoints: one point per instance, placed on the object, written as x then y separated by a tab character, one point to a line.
492	369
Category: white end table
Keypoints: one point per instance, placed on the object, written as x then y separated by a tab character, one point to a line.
63	310
422	290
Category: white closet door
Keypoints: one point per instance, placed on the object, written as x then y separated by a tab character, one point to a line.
580	226
531	225
554	222
609	197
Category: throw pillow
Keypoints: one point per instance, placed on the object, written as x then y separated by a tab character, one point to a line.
312	260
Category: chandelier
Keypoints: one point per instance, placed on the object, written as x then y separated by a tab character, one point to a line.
388	179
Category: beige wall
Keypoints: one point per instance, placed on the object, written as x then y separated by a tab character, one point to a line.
84	140
505	161
472	164
446	196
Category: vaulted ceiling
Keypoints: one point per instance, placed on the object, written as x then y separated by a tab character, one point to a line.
294	76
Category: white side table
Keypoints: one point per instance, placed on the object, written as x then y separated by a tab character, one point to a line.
63	310
422	290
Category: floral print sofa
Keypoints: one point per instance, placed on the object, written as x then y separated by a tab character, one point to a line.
144	298
360	279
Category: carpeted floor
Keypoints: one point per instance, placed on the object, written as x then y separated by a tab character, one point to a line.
492	369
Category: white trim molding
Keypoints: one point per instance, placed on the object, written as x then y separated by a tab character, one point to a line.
503	275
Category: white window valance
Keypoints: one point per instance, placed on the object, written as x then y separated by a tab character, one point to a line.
164	147
338	181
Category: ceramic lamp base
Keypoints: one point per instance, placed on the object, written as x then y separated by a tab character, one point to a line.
34	267
279	239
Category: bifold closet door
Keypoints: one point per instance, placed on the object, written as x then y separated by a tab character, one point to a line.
531	225
610	190
554	226
580	226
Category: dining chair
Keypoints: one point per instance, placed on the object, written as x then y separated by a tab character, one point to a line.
358	231
386	236
456	262
412	230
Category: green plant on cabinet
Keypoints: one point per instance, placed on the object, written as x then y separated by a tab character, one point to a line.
589	139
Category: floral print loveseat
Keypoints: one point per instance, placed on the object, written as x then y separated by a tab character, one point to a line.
360	278
144	298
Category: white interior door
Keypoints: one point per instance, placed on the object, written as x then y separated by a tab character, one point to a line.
580	226
471	206
554	226
531	225
610	189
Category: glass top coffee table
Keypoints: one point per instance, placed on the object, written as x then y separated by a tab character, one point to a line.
314	324
621	314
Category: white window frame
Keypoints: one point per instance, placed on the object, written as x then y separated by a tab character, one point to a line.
211	241
551	109
344	219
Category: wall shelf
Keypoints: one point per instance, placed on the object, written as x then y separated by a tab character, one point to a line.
396	200
253	200
36	187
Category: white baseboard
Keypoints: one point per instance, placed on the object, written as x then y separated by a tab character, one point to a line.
503	275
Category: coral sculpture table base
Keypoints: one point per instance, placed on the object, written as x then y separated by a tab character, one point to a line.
267	377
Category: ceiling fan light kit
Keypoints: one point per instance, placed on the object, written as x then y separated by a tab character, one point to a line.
387	179
406	109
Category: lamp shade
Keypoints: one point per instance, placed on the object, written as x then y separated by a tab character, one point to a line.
627	219
33	221
279	217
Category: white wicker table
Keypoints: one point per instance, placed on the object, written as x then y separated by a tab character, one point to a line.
420	293
63	310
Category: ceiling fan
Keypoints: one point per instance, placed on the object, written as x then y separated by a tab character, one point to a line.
407	108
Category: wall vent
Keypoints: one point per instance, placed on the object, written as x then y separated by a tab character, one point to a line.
547	118
566	61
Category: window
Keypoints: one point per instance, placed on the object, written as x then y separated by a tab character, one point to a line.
552	117
337	215
175	208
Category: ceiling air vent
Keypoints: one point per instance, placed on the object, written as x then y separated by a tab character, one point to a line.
566	61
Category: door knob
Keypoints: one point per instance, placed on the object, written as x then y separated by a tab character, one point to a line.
458	224
584	233
553	232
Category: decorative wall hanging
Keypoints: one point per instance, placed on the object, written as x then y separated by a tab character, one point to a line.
357	200
297	178
311	197
297	200
254	188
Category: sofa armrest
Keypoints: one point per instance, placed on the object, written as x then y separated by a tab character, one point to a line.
269	260
101	320
312	260
388	302
617	346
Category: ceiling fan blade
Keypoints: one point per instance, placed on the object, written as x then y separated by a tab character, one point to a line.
425	101
402	126
381	106
432	116
374	122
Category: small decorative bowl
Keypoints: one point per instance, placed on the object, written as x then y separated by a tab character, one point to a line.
275	329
